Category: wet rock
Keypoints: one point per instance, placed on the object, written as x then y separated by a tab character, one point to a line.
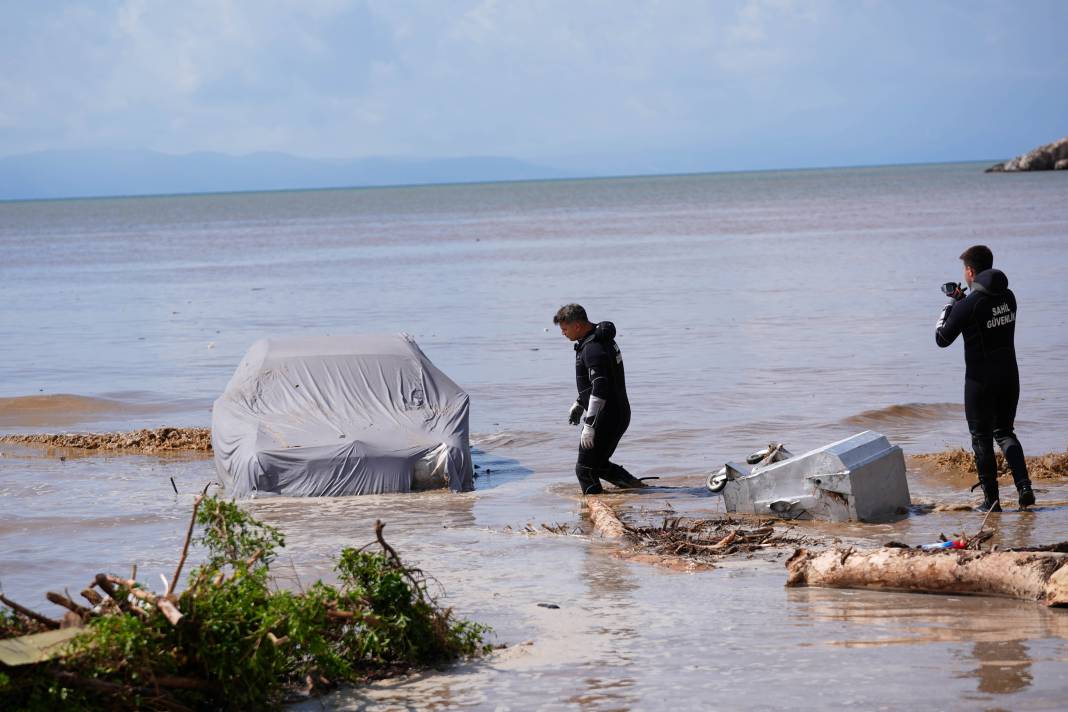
1052	156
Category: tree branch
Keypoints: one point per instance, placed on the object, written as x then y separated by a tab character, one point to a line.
188	538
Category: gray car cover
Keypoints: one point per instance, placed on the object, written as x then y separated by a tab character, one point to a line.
340	415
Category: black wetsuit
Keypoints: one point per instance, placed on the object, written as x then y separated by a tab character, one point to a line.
599	372
987	319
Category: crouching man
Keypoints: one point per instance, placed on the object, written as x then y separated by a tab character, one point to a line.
602	396
987	318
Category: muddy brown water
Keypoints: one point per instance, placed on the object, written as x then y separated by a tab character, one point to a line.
625	635
787	306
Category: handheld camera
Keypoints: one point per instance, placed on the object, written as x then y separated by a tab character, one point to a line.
954	290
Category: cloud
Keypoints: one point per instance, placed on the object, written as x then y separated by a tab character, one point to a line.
657	83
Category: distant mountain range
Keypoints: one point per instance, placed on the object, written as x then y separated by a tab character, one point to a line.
94	173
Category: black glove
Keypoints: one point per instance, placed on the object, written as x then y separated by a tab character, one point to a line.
954	291
575	415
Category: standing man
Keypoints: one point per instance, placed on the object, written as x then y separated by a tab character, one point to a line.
987	318
602	394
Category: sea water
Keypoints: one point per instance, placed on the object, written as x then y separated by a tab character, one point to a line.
795	306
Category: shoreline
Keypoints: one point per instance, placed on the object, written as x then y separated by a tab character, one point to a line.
952	463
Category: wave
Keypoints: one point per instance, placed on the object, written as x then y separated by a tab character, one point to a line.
511	439
904	414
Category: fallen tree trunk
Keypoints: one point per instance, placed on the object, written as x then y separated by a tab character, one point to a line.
605	520
1031	576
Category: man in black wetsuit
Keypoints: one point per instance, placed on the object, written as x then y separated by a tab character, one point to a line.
602	395
987	318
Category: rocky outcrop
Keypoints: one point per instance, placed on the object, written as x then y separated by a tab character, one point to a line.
1051	157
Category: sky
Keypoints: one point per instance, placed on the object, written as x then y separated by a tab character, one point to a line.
587	86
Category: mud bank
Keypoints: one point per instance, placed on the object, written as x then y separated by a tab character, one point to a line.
140	441
960	463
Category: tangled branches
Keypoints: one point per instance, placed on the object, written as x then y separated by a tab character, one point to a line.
697	540
710	538
229	640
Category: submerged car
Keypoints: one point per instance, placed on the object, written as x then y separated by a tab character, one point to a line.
340	415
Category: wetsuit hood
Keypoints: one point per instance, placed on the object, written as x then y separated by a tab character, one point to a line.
605	331
991	281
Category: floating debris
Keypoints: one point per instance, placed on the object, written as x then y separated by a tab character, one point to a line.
681	542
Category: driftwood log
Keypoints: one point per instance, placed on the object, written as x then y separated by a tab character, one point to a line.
605	521
1031	576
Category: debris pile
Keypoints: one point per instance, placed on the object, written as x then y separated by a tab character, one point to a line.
232	639
144	441
698	541
711	538
961	463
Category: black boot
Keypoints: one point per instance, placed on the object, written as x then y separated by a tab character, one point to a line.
587	480
1014	456
991	497
618	476
1027	495
986	466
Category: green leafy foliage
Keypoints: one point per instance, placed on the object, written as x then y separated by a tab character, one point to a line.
242	643
410	625
232	536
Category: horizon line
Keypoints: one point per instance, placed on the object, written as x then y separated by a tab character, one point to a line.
619	176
